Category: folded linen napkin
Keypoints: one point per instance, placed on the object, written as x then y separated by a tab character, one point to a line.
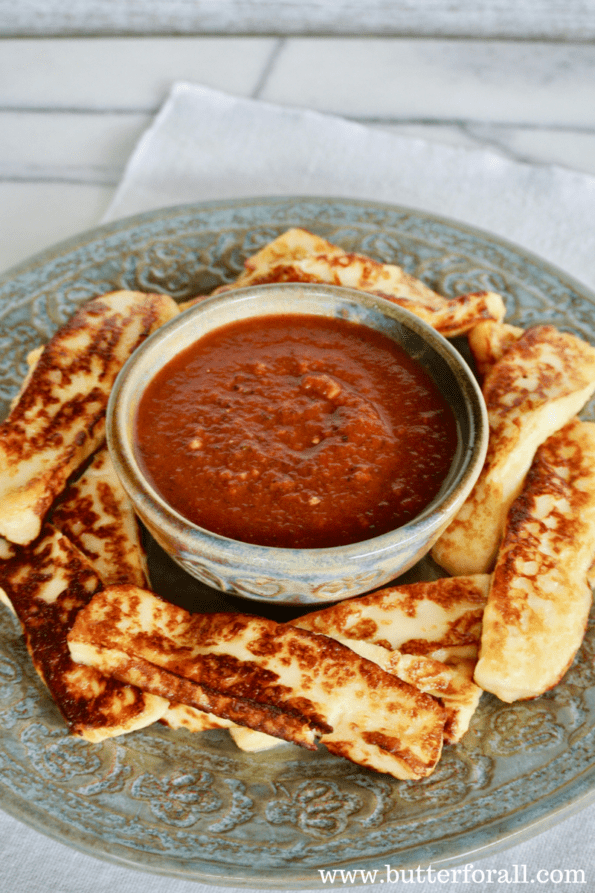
205	145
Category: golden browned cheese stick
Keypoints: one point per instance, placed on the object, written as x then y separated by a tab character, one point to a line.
451	686
300	256
46	584
429	636
539	601
425	633
541	382
59	419
268	676
440	619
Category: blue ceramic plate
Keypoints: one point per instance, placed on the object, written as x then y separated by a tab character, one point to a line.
195	807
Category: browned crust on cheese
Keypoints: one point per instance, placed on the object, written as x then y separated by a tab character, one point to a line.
109	532
525	532
538	604
502	382
300	256
289	673
447	592
465	630
96	515
371	276
450	317
59	418
538	385
503	389
87	700
463	312
296	242
447	613
57	368
238	706
390	744
241	691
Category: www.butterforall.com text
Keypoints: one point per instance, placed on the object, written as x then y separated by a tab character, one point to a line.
468	874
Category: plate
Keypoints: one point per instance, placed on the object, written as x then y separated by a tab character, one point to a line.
195	807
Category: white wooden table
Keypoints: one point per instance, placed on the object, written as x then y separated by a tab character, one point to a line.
71	109
79	83
524	19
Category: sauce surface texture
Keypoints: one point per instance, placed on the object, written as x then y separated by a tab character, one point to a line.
295	431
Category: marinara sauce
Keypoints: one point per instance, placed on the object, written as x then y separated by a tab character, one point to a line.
295	431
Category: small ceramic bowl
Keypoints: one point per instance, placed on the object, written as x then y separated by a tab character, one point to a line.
299	576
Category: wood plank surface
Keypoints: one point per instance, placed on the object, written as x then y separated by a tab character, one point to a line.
69	121
572	20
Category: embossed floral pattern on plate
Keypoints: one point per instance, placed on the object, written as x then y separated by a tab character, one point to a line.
195	806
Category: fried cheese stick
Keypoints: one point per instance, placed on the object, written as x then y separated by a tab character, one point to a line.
58	420
269	676
539	600
46	584
300	256
542	380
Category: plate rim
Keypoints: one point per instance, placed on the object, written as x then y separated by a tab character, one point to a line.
63	246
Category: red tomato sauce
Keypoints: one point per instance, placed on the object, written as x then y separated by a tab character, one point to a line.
295	431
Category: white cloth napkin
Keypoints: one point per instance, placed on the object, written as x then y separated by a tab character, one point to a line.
207	145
